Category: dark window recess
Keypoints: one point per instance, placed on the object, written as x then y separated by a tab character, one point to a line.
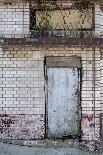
32	19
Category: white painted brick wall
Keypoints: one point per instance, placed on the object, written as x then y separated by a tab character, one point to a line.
14	19
101	82
22	81
22	78
98	21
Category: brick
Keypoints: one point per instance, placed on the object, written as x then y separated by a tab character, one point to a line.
22	68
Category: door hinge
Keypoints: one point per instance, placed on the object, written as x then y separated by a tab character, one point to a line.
46	78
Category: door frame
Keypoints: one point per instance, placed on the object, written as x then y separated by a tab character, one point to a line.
61	62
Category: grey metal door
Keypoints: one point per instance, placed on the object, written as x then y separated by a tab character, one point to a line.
63	102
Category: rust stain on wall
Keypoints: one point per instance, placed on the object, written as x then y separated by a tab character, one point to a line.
22	127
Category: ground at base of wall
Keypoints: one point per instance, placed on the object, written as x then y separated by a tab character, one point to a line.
51	143
47	143
10	149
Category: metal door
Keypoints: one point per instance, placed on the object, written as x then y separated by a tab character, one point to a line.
63	102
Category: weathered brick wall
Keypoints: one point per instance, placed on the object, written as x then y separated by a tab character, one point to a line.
99	31
101	23
98	21
22	80
22	96
90	93
22	91
14	19
101	93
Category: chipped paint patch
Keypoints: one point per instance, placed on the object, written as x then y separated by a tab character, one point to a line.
90	128
22	127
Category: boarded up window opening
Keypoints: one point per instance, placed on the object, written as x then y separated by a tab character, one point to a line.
61	15
63	104
68	19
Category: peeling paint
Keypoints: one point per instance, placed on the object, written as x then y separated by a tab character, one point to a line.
91	133
22	127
